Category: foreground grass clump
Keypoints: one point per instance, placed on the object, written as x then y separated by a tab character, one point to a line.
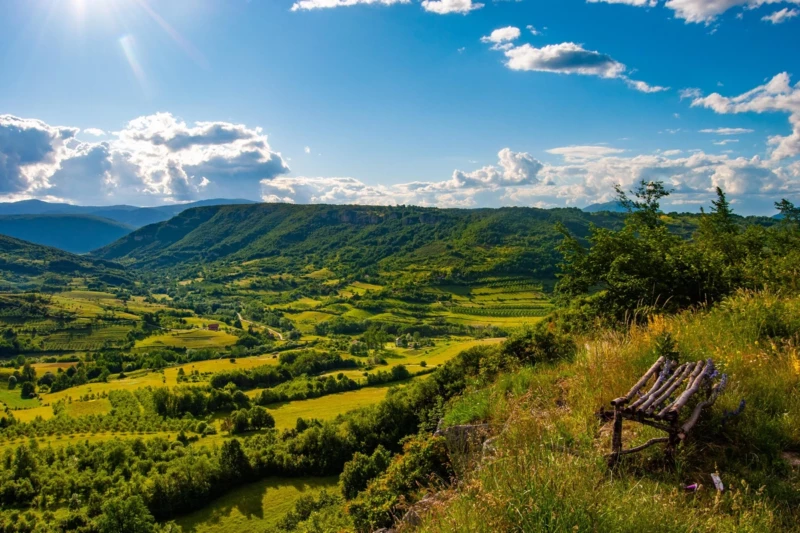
549	471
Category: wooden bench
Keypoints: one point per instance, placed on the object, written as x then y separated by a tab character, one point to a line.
674	386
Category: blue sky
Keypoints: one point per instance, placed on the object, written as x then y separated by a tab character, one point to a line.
357	101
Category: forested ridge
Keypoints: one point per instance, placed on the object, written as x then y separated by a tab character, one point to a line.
368	240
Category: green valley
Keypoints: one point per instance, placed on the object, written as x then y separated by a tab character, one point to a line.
286	368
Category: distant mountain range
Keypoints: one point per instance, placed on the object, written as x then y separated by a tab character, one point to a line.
129	215
612	207
73	233
80	229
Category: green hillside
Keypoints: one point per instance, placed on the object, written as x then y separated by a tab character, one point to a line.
359	239
414	242
25	265
74	233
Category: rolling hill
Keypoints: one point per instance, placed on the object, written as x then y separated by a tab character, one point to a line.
358	239
25	265
73	233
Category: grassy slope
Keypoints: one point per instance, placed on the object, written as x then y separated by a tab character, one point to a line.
24	265
347	237
550	474
254	507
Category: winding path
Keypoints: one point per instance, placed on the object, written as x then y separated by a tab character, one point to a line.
272	331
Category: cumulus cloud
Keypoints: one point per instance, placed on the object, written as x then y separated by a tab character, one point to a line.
777	95
446	7
96	132
152	159
702	11
502	35
587	174
781	16
726	131
305	5
564	58
705	11
463	189
569	58
725	142
30	151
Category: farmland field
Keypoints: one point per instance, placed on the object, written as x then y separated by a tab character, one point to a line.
327	407
13	399
125	350
196	338
254	507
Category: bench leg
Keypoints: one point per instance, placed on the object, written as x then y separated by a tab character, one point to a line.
672	444
616	439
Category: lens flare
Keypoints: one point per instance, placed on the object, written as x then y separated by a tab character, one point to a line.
128	44
179	39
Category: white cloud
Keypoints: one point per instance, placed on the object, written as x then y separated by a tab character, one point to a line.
691	92
587	175
727	131
533	30
30	151
637	3
779	17
564	58
705	11
725	142
326	4
700	11
570	58
502	35
307	149
577	153
94	131
513	169
775	95
644	87
446	7
152	159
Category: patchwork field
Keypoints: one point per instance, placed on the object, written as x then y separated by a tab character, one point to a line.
195	338
276	315
255	507
327	407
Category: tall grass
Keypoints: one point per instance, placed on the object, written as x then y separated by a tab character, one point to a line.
549	472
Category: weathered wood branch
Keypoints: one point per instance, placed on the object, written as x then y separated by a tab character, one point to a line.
715	392
693	370
671	387
677	376
639	384
684	398
662	377
646	445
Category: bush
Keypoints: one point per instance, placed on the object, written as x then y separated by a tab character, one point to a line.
540	344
